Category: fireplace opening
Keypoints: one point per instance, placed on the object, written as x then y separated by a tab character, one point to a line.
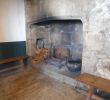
64	41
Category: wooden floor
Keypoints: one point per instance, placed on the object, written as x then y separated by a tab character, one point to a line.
29	84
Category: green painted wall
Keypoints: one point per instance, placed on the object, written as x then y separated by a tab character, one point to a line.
12	49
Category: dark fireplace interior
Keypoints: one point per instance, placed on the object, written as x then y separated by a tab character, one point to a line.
64	39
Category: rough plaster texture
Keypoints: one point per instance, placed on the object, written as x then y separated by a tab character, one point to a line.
96	55
95	15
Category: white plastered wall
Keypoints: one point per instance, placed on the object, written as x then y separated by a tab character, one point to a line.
12	20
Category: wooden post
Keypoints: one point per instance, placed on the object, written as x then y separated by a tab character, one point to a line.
91	92
22	62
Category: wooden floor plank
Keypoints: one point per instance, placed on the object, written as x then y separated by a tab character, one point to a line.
29	84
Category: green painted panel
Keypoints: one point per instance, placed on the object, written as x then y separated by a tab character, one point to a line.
12	49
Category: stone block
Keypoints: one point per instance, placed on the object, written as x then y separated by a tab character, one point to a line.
107	48
94	41
89	62
103	68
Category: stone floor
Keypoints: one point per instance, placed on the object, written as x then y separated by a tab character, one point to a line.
29	84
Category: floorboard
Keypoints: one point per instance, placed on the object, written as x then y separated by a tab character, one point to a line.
29	84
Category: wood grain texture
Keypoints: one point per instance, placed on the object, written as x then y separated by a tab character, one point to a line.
41	54
7	60
94	81
29	84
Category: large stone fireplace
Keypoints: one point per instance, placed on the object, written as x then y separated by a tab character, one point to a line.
64	40
71	29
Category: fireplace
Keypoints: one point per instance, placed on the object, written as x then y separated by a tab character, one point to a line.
50	19
64	40
56	29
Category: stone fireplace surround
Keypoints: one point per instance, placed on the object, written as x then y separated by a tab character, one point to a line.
95	17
